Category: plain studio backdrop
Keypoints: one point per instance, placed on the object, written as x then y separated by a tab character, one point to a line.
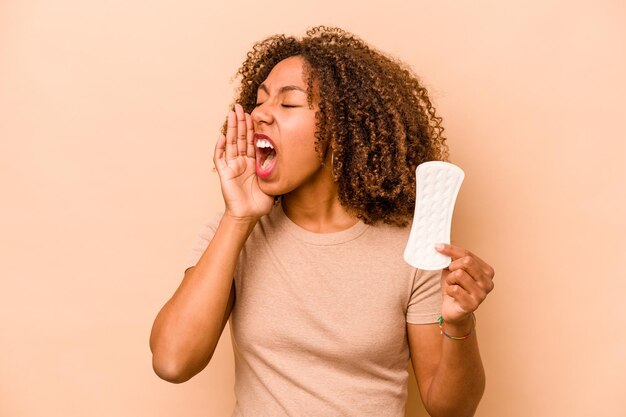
109	112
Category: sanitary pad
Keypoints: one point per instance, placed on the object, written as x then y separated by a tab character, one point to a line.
438	184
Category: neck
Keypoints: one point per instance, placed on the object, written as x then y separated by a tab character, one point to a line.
318	210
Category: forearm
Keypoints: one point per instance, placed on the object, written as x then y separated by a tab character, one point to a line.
459	381
187	329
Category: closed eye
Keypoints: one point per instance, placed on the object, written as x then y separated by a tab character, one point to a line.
289	106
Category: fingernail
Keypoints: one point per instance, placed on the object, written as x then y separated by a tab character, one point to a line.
440	246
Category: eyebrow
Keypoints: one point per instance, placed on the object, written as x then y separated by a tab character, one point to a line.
283	89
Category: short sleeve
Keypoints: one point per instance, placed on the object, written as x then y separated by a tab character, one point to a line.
201	241
425	300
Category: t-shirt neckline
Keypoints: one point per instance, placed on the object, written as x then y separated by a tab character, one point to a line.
322	239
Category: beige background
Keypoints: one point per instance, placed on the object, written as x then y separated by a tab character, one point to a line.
108	115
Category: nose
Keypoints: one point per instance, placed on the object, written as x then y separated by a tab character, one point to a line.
262	114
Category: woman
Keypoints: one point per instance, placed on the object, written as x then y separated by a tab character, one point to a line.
317	168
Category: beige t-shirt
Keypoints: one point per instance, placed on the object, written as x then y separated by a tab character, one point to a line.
319	321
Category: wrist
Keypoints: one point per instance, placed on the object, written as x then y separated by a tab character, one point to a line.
458	329
239	223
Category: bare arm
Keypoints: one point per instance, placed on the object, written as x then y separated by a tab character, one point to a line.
449	373
187	329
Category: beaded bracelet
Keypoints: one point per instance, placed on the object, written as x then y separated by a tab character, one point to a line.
440	320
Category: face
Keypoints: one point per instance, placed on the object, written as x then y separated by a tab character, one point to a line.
284	127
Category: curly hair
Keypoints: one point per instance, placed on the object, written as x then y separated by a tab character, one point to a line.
374	115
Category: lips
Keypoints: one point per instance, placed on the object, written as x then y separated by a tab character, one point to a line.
265	155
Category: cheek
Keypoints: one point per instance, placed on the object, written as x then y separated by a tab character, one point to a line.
302	137
302	156
308	134
306	150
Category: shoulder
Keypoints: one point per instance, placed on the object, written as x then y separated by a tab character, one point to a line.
389	234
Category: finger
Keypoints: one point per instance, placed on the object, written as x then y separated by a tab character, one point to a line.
462	257
456	252
465	290
250	136
475	270
462	297
241	130
468	263
218	155
465	281
231	136
452	251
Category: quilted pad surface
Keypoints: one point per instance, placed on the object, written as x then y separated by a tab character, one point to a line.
438	185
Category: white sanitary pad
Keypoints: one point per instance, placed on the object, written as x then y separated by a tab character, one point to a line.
438	184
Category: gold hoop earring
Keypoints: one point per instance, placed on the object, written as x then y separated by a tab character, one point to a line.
333	169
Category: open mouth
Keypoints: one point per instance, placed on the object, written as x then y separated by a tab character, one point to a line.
265	152
265	155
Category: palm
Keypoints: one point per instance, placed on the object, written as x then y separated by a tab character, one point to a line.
235	162
240	188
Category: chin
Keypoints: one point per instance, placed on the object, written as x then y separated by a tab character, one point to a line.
274	189
270	189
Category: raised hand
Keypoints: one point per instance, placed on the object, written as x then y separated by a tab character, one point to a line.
464	284
235	163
